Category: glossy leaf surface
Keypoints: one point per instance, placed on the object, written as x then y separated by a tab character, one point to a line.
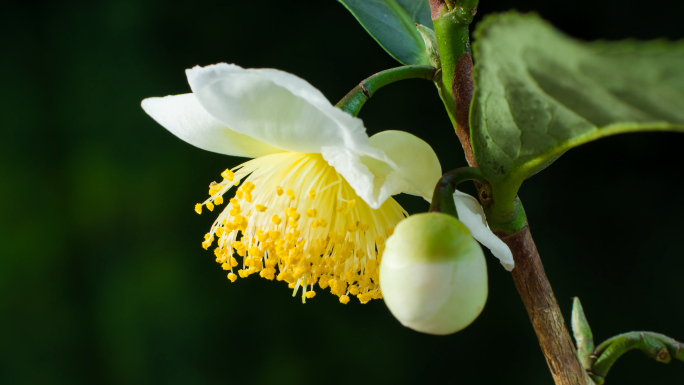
392	23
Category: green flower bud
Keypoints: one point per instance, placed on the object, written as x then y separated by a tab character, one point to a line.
433	274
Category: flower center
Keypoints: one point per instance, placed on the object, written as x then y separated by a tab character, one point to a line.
297	220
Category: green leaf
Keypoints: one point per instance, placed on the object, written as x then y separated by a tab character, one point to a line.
392	23
539	93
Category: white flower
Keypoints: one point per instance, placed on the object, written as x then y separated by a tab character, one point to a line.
471	214
316	202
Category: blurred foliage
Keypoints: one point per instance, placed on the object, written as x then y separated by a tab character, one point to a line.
102	277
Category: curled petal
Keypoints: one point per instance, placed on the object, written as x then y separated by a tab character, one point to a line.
184	117
274	107
412	159
374	189
471	214
395	162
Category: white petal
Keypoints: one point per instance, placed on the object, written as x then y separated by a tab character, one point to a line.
471	214
395	162
275	107
373	189
435	298
185	118
412	159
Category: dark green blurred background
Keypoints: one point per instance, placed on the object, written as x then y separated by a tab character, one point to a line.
102	277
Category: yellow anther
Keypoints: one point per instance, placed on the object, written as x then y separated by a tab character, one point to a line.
242	273
228	175
379	240
344	299
290	211
353	290
261	208
276	219
352	227
310	294
311	213
341	208
255	252
312	194
262	236
218	200
268	273
390	231
214	188
371	265
351	203
207	236
232	277
198	208
239	194
234	202
248	186
279	190
207	243
363	227
248	197
233	262
210	206
293	223
321	222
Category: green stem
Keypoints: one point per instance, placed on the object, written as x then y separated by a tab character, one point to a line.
506	215
453	40
657	346
357	97
443	197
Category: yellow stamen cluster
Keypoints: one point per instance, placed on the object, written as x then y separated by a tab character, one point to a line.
295	219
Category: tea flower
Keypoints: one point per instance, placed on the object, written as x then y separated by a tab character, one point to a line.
314	206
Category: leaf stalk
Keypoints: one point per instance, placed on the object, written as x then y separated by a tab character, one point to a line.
357	97
443	196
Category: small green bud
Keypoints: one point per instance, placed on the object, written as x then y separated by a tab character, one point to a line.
433	274
431	49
